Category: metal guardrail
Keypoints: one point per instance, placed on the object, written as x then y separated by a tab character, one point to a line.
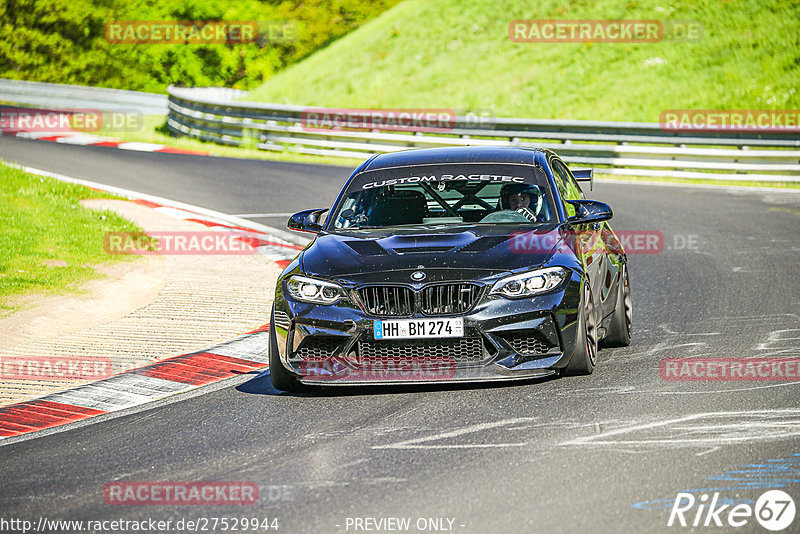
626	148
54	95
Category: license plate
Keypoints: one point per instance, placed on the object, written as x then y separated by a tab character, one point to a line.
419	328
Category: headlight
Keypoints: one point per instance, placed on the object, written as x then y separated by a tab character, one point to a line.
529	284
315	291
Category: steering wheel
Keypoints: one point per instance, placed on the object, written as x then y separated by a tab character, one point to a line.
510	216
527	213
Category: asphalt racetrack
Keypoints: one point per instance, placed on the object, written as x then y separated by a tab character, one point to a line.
602	453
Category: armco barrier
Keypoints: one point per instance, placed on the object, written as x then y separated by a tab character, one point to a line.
631	148
56	95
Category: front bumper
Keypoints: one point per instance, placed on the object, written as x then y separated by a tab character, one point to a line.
503	340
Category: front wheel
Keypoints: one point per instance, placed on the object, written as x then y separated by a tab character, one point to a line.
584	354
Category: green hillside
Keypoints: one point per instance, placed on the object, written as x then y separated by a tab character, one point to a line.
457	54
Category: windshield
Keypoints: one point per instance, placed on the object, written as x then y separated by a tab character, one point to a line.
445	194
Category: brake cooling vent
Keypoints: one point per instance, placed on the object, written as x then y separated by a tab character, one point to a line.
527	343
282	320
317	347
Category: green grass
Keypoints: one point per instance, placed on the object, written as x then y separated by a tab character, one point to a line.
49	244
456	54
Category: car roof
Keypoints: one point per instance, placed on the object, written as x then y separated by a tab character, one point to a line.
467	154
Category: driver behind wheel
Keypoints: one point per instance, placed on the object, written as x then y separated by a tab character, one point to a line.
522	198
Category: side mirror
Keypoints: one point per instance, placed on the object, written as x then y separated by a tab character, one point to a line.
589	211
306	221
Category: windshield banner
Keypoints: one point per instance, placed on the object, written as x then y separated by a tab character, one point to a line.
503	173
446	178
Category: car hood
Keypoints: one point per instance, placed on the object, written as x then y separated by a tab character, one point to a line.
443	253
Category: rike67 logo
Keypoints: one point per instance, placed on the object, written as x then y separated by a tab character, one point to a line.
774	510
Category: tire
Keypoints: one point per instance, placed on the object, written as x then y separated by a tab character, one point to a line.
584	355
619	331
280	377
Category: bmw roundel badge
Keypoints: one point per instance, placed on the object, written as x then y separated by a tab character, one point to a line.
418	276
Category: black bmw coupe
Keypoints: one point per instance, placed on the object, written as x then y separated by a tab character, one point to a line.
447	265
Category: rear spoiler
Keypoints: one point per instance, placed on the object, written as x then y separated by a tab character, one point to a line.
584	175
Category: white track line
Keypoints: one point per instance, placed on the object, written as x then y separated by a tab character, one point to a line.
416	442
261	215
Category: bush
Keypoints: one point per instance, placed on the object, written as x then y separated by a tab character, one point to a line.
63	41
